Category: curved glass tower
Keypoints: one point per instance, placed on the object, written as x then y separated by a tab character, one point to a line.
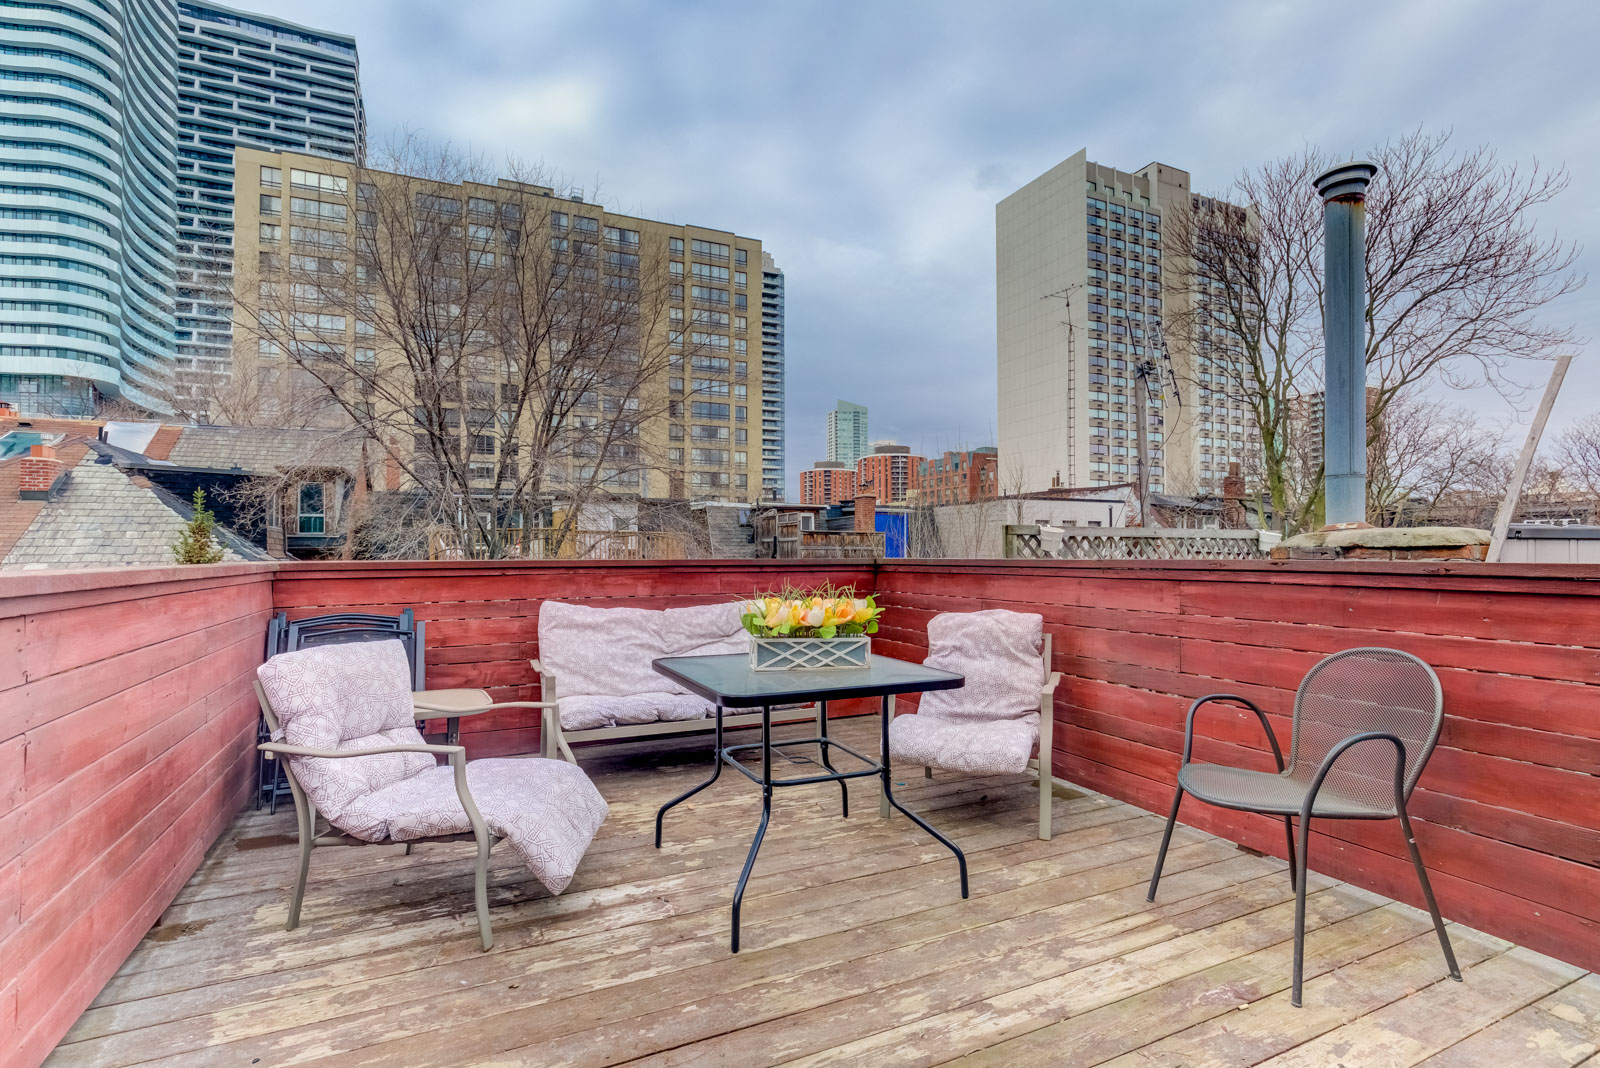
88	214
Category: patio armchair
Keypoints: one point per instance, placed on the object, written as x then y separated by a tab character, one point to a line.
992	724
343	717
1365	723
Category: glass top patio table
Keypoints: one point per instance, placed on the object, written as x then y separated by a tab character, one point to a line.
728	681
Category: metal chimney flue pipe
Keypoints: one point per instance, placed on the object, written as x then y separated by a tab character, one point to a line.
1344	319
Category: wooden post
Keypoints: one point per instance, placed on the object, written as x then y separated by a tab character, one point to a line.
1508	504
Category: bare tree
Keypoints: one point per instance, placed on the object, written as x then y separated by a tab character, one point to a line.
1426	453
512	360
1577	453
1458	276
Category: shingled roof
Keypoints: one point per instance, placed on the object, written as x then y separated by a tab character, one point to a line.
263	449
100	516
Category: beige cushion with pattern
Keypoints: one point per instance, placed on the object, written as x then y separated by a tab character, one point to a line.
991	724
600	650
357	696
600	658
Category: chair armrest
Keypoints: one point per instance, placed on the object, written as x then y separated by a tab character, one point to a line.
458	764
273	749
420	711
1188	728
538	667
1339	750
1048	694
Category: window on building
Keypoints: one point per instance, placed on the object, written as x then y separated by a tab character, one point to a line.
327	183
271	177
313	509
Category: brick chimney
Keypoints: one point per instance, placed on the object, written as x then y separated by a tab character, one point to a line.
1233	499
38	471
866	512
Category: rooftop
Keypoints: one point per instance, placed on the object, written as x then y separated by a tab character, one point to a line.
858	949
142	918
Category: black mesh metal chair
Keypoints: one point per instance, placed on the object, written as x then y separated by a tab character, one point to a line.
1365	723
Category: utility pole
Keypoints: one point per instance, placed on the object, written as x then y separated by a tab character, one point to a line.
1141	398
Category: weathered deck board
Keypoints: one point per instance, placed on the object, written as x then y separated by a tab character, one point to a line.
858	948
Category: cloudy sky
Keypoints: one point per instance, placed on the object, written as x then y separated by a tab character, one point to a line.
865	144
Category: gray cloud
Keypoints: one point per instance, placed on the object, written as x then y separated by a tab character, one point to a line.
866	144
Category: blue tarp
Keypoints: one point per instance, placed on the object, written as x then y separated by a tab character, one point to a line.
892	525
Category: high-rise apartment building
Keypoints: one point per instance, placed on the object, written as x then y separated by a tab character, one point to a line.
828	482
1085	281
772	375
957	477
847	433
88	128
251	80
300	221
886	472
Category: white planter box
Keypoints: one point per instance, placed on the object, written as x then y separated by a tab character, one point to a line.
788	654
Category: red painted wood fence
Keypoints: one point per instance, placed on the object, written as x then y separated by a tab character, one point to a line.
127	727
482	616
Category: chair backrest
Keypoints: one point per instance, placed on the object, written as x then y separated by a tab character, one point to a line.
340	627
1362	690
1003	656
600	651
347	697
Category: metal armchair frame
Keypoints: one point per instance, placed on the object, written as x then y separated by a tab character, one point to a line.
1041	764
1405	776
306	811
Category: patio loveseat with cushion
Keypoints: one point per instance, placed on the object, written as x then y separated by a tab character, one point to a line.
594	665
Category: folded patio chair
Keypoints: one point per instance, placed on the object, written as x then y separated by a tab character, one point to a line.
343	716
992	724
1365	723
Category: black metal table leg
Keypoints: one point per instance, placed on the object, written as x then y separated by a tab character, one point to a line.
961	858
827	762
766	815
716	770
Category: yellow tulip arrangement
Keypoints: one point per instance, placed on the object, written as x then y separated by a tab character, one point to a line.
826	612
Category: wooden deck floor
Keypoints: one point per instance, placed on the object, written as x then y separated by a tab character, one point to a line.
858	948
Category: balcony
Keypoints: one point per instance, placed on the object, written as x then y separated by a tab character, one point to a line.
143	900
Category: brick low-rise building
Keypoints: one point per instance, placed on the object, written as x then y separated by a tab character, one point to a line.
957	477
886	472
828	482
